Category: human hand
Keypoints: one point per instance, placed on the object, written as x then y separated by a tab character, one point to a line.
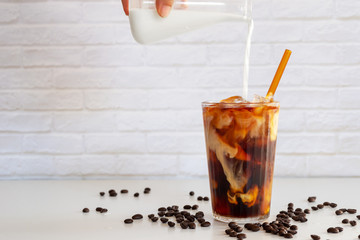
163	7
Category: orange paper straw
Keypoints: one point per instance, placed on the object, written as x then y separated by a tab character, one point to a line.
278	74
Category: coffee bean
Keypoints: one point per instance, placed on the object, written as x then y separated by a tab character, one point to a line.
136	194
290	205
255	228
187	207
124	191
112	190
161	213
344	210
85	210
241	236
345	220
307	211
325	204
192	225
179	220
288	235
98	209
169	208
190	218
232	225
191	193
128	221
102	193
358	217
359	237
333	205
293	232
175	207
351	211
113	194
150	216
201	220
339	212
233	234
282	232
320	206
303	219
205	224
227	231
104	210
353	223
184	225
162	209
332	230
164	220
238	229
315	237
294	227
137	216
206	198
147	189
340	229
199	198
169	214
154	219
195	207
314	208
311	199
199	214
171	224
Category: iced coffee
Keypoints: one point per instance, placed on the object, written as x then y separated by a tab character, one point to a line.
241	141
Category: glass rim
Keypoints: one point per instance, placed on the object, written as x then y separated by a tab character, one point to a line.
242	104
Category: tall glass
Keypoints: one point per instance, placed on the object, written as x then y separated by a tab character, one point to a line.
240	144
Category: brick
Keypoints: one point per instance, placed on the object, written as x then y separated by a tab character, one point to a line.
307	98
50	12
179	99
10	35
291	120
71	166
122	99
165	55
85	122
260	10
332	120
25	122
176	143
104	165
9	12
321	76
25	78
8	167
262	76
274	32
347	8
68	35
34	166
148	165
283	9
332	31
11	143
119	143
333	166
348	98
9	100
10	57
104	12
114	56
51	100
290	166
348	75
349	143
193	165
47	57
53	144
123	33
347	50
293	144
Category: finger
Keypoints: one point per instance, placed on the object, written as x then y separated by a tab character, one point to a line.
163	7
125	4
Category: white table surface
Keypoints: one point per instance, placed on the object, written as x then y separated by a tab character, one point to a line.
53	209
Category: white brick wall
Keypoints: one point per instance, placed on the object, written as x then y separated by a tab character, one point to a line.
80	98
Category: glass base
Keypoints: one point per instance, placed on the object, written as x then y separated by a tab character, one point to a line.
240	220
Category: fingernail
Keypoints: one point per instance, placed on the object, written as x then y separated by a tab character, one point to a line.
165	10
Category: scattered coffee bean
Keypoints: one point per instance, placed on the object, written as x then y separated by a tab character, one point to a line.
171	224
238	229
124	191
104	210
359	237
307	211
314	208
315	237
164	220
205	224
162	209
232	225
206	198
227	231
333	205
320	206
102	193
128	221
358	217
353	223
201	220
294	227
184	225
332	230
340	229
112	190
137	216
345	221
351	211
241	236
311	199
191	193
199	214
187	207
195	207
147	190
192	225
288	235
113	194
98	209
199	198
233	234
161	213
150	216
325	204
339	212
136	194
85	210
344	210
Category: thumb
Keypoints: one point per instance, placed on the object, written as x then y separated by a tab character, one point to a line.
163	7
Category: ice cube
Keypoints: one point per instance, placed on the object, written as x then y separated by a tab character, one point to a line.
233	99
260	99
